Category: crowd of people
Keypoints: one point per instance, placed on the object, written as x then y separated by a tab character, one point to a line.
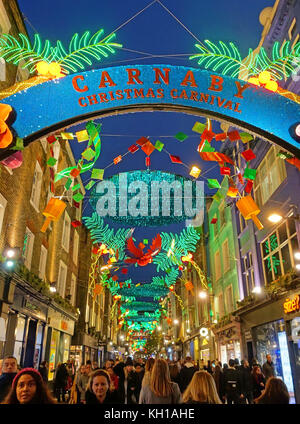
154	381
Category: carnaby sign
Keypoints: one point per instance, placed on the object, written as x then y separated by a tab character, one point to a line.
59	103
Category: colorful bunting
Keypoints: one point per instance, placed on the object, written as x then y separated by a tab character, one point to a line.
159	145
248	155
181	136
76	224
207	135
75	172
214	221
78	197
141	141
221	136
88	154
199	127
117	159
233	135
90	185
195	172
213	183
245	137
232	192
133	148
82	136
67	136
224	170
51	161
97	174
148	148
51	139
175	159
249	186
250	174
76	187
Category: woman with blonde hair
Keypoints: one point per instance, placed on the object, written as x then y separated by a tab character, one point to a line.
148	370
202	389
161	389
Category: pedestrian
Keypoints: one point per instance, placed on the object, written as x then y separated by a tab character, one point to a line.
82	382
276	393
140	372
43	370
202	389
201	365
60	382
174	373
255	363
246	382
258	381
268	368
161	389
237	364
209	367
219	380
98	389
114	379
127	390
186	374
225	367
95	366
108	364
9	371
28	387
148	369
232	384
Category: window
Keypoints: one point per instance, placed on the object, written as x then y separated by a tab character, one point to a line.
229	299
61	279
222	215
278	251
217	265
73	289
75	247
28	248
66	232
270	174
225	254
36	187
220	305
43	261
248	273
3	203
56	151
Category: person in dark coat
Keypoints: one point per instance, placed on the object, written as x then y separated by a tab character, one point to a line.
259	381
246	382
128	384
219	380
268	368
60	382
43	370
174	373
140	372
232	384
186	374
9	371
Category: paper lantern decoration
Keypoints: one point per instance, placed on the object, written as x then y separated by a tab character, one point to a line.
6	136
234	135
175	159
148	148
232	192
51	139
14	161
249	186
221	136
212	183
245	137
82	136
195	172
249	209
97	174
250	174
53	212
133	148
248	155
159	145
199	127
117	159
224	170
181	136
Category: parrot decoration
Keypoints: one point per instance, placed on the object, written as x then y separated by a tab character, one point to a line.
137	255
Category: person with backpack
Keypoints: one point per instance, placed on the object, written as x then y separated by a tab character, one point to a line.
232	384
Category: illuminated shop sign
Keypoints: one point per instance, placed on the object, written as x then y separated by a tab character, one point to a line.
292	305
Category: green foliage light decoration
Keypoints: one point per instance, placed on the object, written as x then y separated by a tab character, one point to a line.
80	53
183	243
227	60
101	233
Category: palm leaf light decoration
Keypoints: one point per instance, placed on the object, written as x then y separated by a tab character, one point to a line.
80	53
225	59
283	62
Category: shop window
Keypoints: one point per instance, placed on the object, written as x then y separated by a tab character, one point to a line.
217	265
36	187
75	247
270	174
43	261
225	254
19	338
28	248
278	251
62	277
3	203
66	232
